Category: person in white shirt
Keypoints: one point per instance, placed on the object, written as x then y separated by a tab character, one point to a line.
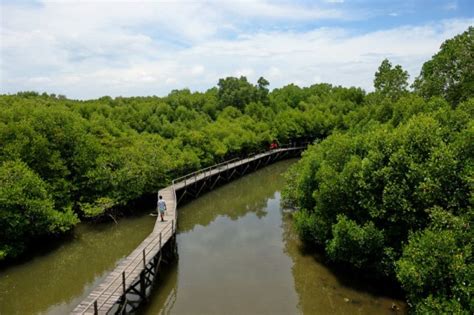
161	207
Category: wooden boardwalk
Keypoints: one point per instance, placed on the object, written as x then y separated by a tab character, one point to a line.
131	281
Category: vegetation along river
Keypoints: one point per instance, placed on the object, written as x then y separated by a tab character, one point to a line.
238	254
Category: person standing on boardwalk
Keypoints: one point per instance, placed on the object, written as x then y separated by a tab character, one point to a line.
161	207
274	145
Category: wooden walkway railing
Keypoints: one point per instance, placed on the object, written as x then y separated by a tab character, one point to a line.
131	281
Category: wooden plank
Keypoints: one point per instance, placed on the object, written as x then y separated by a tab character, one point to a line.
109	291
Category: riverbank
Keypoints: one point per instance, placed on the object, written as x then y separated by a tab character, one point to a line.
239	254
239	249
58	276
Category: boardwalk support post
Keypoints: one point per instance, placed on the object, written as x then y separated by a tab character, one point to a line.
142	285
123	283
161	243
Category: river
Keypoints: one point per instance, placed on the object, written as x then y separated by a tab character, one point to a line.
238	254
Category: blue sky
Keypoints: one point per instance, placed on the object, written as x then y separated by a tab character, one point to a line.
87	49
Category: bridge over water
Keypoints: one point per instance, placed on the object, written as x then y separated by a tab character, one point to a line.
130	283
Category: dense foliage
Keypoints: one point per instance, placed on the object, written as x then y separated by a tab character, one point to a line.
450	73
86	158
387	186
27	207
392	192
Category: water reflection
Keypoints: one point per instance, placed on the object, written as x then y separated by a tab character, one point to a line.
231	266
239	254
56	280
235	199
322	290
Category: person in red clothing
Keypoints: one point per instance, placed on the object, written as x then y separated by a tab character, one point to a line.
274	145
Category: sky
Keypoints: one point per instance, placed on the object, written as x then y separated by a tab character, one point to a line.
88	49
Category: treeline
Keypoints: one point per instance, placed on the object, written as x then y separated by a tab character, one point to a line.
62	161
387	186
391	193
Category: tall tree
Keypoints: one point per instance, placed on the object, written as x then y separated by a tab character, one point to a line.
236	92
450	73
263	84
391	81
26	209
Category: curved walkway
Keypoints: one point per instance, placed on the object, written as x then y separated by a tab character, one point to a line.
132	279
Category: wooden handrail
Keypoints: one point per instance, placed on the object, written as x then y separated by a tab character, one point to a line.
128	265
134	262
204	170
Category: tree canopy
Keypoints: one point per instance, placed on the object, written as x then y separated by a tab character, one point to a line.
386	187
390	190
92	157
391	81
450	73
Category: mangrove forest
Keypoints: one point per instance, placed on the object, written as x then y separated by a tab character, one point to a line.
385	188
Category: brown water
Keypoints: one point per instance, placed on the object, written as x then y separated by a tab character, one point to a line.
62	274
238	254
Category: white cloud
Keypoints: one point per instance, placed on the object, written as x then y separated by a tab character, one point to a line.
171	81
451	6
40	80
290	11
273	73
88	50
246	72
197	70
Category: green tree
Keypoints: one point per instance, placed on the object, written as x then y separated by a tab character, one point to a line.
26	209
360	246
236	92
385	176
437	265
450	72
391	81
262	85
